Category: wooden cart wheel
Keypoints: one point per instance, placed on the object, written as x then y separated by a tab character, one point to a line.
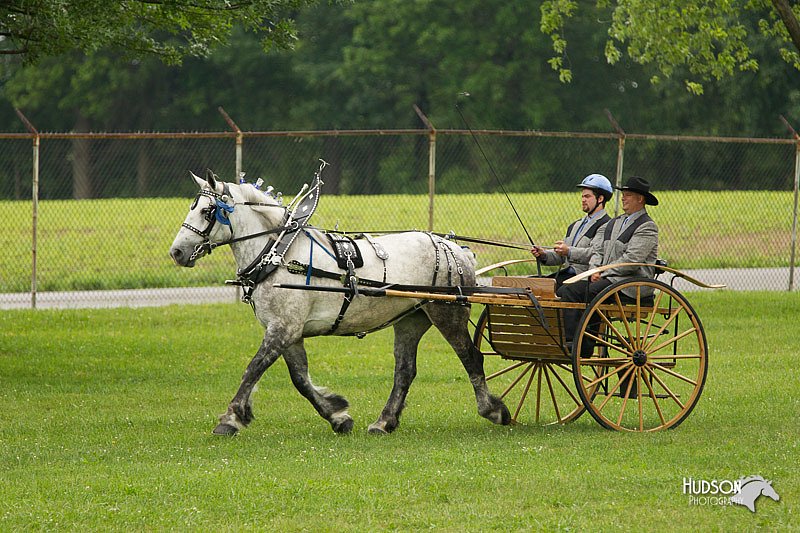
648	354
547	386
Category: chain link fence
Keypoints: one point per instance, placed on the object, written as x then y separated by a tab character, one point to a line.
91	216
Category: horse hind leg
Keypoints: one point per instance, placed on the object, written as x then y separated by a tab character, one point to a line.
451	321
407	334
330	406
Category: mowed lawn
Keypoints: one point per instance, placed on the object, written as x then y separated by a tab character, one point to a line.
107	418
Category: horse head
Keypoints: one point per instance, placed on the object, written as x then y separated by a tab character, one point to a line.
207	223
751	488
769	492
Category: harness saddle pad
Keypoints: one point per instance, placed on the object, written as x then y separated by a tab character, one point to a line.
345	248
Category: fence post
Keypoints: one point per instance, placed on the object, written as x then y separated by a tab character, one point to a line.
34	205
794	209
238	175
431	163
620	156
794	214
239	143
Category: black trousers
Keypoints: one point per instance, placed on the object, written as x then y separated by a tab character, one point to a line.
582	291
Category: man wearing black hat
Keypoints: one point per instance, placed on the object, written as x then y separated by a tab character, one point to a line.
629	238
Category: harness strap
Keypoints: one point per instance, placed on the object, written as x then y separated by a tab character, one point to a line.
626	235
594	228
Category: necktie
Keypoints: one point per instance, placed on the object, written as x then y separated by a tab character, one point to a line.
578	233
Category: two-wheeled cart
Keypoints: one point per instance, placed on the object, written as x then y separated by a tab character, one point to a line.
638	361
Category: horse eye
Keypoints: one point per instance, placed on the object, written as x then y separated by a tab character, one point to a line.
194	204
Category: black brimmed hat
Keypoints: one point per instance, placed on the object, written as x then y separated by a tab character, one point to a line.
641	186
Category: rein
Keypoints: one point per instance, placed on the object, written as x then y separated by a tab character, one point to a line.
449	236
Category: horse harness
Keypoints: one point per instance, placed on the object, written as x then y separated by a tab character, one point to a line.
348	258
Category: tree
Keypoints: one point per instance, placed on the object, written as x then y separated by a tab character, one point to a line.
699	39
171	30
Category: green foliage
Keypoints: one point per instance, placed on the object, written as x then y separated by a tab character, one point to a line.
698	39
169	30
112	411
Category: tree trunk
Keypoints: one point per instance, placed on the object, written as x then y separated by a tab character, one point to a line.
789	20
81	163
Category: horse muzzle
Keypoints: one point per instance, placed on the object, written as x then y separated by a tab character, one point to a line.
183	258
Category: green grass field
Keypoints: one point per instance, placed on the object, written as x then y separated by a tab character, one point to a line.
107	418
124	243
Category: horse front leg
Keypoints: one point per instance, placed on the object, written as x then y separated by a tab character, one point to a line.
330	406
451	321
240	410
407	334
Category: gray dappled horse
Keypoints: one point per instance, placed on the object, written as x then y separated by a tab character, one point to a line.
249	217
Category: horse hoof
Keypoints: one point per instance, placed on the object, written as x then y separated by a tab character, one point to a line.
225	430
342	426
377	429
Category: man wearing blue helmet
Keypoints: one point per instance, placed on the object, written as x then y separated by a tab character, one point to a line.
630	238
575	251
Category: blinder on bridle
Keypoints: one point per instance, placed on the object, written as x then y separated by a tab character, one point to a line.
217	211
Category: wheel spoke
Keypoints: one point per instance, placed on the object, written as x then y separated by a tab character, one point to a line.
616	332
508	369
566	387
664	386
674	374
639	397
677	356
605	360
639	340
630	378
552	393
539	369
514	383
662	328
525	392
615	387
674	339
653	314
605	343
622	315
607	375
655	400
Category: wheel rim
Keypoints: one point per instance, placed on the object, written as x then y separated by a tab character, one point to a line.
537	390
646	357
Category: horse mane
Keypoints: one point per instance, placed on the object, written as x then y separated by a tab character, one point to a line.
750	479
248	193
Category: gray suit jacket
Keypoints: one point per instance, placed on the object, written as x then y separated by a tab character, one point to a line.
637	242
580	252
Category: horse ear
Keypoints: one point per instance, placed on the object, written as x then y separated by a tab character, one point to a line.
211	179
197	179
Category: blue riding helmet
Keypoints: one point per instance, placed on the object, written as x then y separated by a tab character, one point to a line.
598	183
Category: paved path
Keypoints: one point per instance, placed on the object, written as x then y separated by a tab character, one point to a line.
756	279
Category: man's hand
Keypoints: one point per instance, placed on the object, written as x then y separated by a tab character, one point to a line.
561	249
537	251
595	277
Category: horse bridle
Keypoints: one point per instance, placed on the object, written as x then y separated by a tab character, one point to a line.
217	211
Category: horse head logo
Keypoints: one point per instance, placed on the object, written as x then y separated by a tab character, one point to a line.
751	488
